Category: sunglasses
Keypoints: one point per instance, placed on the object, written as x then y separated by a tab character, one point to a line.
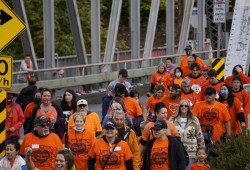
44	125
183	105
208	94
82	105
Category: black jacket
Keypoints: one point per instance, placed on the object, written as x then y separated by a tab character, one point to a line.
59	125
176	154
26	96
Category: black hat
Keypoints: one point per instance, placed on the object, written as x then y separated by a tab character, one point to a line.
210	90
40	120
175	86
123	72
120	88
111	124
188	47
160	124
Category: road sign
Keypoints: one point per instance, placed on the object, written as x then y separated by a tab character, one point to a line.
3	96
6	68
219	11
10	25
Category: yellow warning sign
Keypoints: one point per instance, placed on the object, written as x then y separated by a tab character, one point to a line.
10	25
2	122
219	65
6	69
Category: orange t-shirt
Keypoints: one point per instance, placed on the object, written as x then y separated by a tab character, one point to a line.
212	114
151	101
245	79
186	71
192	97
206	85
28	109
195	166
100	151
80	144
132	106
49	114
43	149
244	98
147	133
184	61
171	104
158	79
233	111
200	81
159	156
92	123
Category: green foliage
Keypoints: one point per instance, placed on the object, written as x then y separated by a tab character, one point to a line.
232	155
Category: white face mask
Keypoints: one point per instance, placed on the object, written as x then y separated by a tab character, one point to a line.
79	129
178	74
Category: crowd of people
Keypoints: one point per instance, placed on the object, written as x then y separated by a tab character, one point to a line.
168	132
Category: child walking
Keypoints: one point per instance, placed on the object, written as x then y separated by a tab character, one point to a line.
201	163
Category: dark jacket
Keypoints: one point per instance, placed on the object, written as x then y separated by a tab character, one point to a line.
176	154
106	100
26	96
59	128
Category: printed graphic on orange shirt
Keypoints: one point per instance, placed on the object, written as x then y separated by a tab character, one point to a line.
159	81
42	156
159	156
79	147
210	115
173	107
114	160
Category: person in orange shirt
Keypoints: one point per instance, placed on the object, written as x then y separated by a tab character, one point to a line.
212	82
159	78
187	69
160	114
110	152
151	101
195	77
237	71
79	140
43	143
188	93
184	60
213	113
28	110
204	70
92	122
201	163
242	95
163	152
172	100
177	79
234	107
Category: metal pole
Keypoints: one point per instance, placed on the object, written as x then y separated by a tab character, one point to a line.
49	46
151	31
218	41
95	34
201	31
170	27
26	38
135	31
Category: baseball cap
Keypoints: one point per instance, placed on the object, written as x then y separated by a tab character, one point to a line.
175	86
205	67
123	72
82	101
119	88
111	124
40	120
159	125
210	90
188	47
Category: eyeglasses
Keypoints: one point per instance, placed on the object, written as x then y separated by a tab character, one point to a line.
44	125
208	94
82	105
183	105
115	109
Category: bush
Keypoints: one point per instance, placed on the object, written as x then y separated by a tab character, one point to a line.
232	155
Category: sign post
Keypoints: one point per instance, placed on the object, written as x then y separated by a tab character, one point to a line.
219	17
10	25
3	97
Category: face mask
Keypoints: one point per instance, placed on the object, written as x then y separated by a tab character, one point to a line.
178	74
79	129
224	94
188	52
37	100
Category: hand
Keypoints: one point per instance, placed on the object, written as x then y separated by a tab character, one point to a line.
12	129
52	120
243	124
28	151
238	69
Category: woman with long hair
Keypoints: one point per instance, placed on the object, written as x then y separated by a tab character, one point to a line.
68	103
189	129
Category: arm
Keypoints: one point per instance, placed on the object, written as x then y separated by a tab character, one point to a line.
20	115
241	118
129	164
135	150
145	113
199	136
228	127
91	163
29	162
